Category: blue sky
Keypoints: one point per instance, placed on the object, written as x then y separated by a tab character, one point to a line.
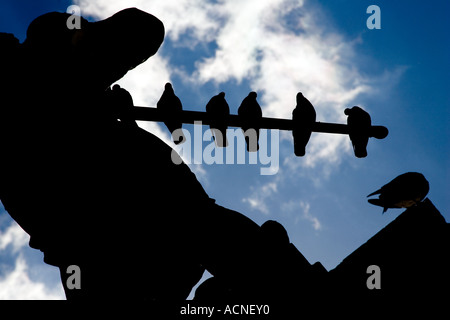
399	74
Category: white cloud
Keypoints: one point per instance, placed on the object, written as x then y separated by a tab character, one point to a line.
260	195
321	149
146	84
14	236
300	210
255	44
17	285
193	19
308	216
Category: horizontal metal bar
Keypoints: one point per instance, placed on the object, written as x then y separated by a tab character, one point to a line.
187	116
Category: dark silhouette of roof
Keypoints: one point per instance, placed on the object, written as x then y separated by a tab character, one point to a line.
412	253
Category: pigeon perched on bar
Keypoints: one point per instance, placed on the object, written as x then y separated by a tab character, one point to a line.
170	105
304	117
218	110
250	113
404	191
122	104
359	123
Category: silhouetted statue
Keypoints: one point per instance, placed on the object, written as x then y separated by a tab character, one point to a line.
404	191
359	123
218	109
171	106
304	116
93	189
90	190
250	112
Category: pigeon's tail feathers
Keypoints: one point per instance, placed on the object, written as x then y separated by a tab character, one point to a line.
360	152
299	151
374	193
380	203
377	202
